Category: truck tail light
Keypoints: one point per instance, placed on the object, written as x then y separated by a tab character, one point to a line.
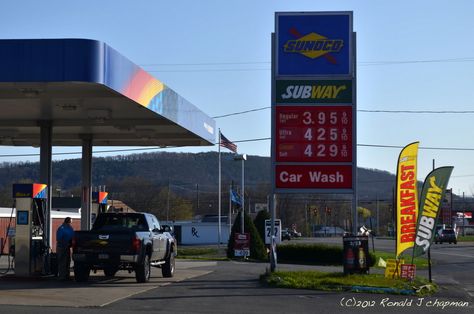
136	243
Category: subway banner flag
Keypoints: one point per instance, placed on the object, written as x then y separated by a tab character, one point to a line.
432	195
407	197
314	43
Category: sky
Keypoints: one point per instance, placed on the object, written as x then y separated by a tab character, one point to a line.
411	56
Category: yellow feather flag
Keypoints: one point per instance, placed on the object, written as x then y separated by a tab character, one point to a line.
407	198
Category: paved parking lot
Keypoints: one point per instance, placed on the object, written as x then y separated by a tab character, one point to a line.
99	291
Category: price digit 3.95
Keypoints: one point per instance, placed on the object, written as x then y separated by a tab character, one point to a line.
307	118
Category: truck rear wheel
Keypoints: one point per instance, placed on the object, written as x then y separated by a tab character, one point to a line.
143	270
81	272
167	270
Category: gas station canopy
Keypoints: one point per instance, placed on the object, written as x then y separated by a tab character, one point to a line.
84	88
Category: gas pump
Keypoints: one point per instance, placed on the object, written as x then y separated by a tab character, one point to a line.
31	238
99	204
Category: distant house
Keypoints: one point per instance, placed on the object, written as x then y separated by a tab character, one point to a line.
203	231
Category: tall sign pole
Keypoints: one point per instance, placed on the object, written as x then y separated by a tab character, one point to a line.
314	104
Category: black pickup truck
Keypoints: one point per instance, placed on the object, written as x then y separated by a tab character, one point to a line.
124	241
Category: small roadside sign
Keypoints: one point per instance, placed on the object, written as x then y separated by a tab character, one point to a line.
408	271
276	231
242	244
393	268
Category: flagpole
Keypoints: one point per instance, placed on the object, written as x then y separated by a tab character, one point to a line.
230	209
219	194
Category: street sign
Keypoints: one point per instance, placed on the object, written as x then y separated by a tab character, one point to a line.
276	231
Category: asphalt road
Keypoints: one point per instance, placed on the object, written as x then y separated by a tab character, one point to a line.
233	287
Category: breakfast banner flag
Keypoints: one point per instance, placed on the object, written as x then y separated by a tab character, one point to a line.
407	198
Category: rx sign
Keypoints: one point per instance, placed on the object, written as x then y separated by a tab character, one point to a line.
276	231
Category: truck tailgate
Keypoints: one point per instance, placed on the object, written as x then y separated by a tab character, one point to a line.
112	242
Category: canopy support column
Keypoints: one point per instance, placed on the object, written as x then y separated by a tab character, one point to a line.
46	174
86	182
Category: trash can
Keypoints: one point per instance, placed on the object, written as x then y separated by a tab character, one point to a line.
356	257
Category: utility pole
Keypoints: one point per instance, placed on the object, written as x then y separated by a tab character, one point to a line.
463	214
168	203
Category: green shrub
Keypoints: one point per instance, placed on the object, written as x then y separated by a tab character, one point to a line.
259	223
314	254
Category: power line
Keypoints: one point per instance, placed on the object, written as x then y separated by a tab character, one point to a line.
236	141
240	112
420	147
361	63
418	111
364	111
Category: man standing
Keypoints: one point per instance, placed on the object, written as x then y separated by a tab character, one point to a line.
64	236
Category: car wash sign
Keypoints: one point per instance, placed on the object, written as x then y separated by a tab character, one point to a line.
314	43
313	103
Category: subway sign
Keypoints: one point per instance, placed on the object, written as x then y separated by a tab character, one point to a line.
314	91
314	43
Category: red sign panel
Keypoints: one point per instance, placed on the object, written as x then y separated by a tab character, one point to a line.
313	176
242	244
408	271
313	134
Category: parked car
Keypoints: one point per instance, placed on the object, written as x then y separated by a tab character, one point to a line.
295	234
285	235
446	235
124	241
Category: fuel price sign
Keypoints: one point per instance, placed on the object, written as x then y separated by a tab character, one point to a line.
313	133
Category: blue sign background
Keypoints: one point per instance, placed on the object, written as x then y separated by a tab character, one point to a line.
331	26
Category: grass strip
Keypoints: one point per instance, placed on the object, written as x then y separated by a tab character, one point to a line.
201	253
469	238
315	280
420	262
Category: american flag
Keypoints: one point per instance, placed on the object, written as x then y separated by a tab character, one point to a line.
227	144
